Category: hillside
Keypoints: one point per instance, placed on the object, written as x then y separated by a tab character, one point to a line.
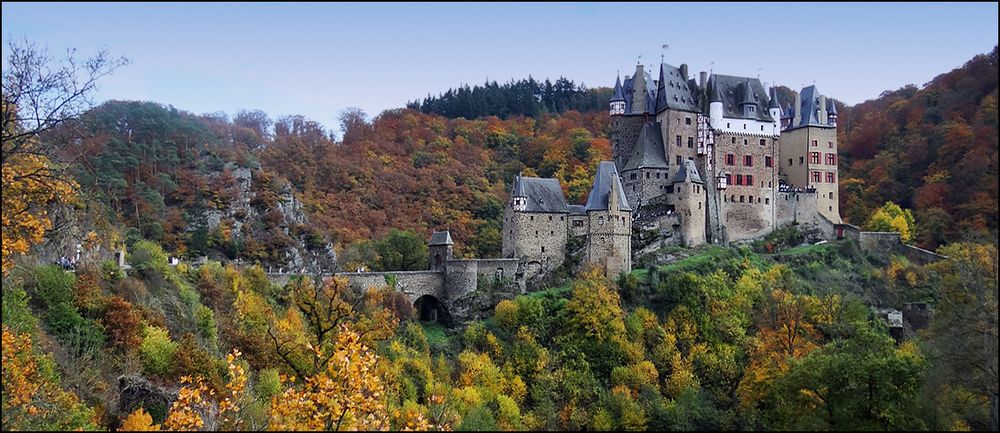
932	149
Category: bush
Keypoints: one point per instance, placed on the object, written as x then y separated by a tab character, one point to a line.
110	271
190	359
205	319
78	334
147	258
121	323
52	286
413	336
16	313
158	351
268	384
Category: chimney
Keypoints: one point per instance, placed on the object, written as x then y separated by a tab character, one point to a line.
684	71
798	109
702	87
822	109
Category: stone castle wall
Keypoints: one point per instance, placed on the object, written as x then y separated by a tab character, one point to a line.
535	237
674	123
645	185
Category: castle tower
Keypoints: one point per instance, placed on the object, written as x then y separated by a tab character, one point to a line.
617	105
645	175
535	224
440	250
609	235
809	151
689	199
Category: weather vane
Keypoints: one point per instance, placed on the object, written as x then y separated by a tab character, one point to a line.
663	52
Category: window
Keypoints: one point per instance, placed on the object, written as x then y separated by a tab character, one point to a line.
536	233
562	218
550	217
657	175
647	175
730	159
739	180
543	249
748	160
829	144
678	141
749	180
814	157
789	161
831	194
532	218
727	125
816	177
815	143
678	160
831	159
763	142
802	160
577	223
745	142
687	120
750	199
729	179
632	176
768	162
741	199
829	178
734	140
767	200
551	232
690	142
762	128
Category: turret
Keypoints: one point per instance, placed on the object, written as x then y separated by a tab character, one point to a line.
440	249
715	105
520	199
748	105
774	109
831	113
618	99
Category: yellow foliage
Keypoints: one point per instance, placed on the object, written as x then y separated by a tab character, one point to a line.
140	420
31	183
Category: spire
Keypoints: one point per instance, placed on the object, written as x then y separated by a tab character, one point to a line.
748	97
831	107
618	96
661	90
518	187
774	99
716	96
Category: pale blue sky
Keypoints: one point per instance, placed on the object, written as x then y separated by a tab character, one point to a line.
317	59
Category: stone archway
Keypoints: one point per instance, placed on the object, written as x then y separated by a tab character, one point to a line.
430	309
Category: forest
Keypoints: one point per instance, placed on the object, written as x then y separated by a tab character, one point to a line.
778	334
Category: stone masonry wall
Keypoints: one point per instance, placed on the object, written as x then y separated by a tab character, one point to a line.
533	236
624	133
674	123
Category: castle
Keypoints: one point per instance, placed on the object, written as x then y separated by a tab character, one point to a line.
716	160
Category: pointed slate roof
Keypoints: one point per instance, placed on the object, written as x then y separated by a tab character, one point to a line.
774	99
441	238
810	108
748	94
673	92
544	195
618	96
599	194
688	172
648	150
831	108
731	93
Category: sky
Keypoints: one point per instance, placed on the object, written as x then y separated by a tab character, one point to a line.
319	59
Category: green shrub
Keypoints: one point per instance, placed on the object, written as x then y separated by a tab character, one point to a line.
157	350
110	271
205	319
268	384
413	336
16	313
78	334
52	285
147	258
478	419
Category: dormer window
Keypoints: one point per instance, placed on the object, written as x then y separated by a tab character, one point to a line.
520	203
